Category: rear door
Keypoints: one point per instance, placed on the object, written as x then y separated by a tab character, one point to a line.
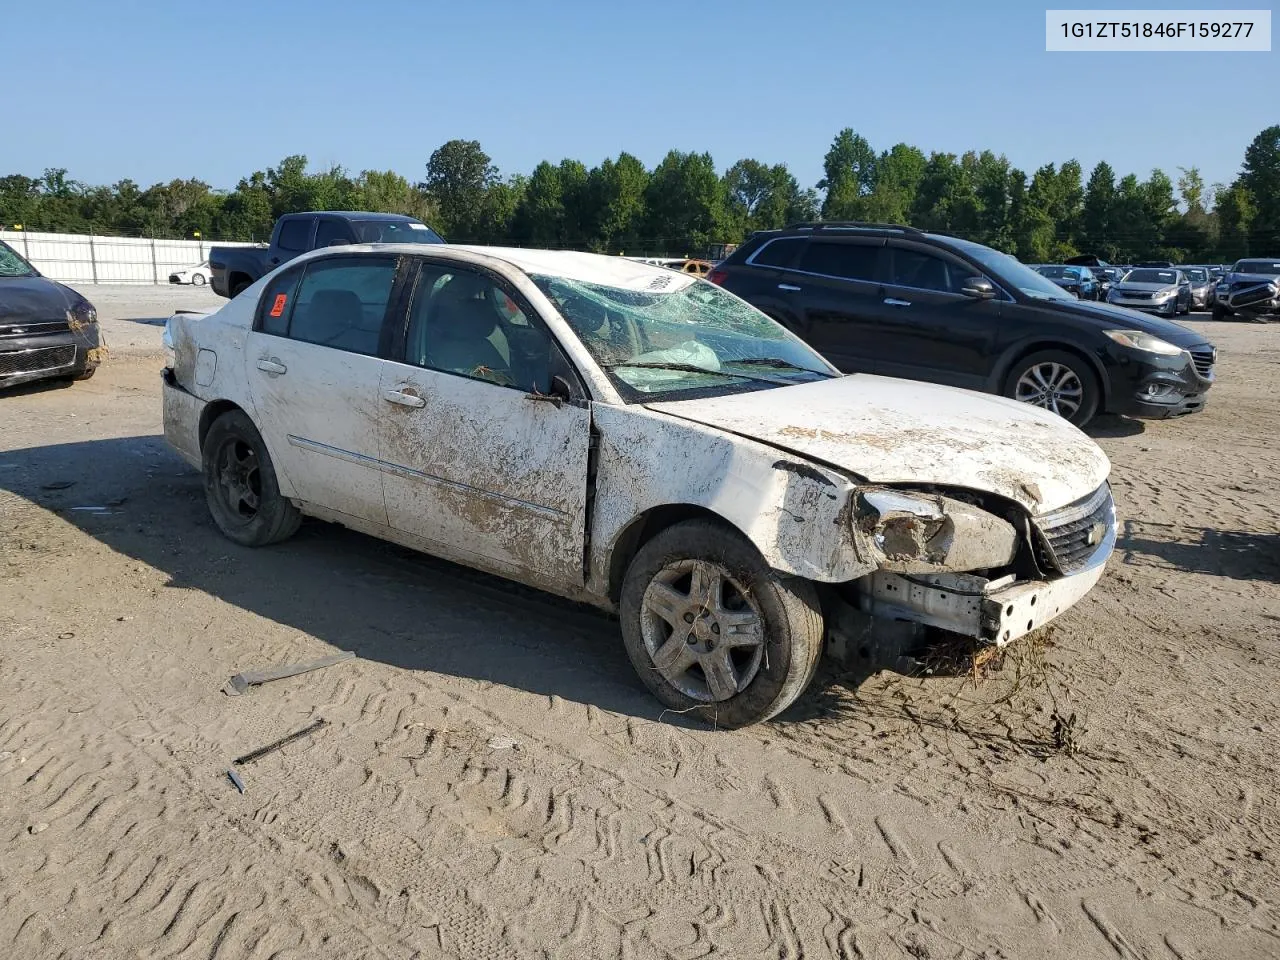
759	280
314	372
933	331
834	290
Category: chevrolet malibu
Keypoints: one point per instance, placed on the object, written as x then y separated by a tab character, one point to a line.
642	440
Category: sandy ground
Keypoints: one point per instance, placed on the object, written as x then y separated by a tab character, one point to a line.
494	782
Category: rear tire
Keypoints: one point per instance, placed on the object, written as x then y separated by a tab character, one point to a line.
197	280
240	287
240	485
1057	381
699	594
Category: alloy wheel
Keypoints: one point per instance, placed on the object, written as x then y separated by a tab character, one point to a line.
1051	385
702	629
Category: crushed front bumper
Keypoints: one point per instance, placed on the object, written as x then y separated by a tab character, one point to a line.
887	610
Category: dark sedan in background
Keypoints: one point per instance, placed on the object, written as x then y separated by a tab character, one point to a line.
47	331
1077	280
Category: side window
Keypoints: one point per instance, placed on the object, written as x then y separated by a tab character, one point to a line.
778	253
849	261
924	271
277	303
327	231
462	322
341	303
294	234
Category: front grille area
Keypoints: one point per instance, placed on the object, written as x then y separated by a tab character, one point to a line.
1070	537
36	328
1134	295
1202	357
34	361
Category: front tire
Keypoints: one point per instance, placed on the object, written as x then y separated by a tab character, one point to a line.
714	631
1220	313
240	484
1058	381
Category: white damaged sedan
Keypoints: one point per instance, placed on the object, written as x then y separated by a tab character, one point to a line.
642	440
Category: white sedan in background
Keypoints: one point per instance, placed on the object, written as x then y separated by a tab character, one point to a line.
198	275
642	440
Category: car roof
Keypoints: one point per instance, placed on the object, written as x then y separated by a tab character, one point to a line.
596	268
355	214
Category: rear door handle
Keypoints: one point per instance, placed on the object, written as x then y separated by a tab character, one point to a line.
789	287
272	366
893	302
404	399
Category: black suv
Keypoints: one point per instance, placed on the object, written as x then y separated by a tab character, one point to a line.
893	300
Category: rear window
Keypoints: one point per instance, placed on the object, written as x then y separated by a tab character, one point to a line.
294	235
778	253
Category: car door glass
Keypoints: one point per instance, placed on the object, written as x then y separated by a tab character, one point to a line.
848	261
777	253
294	235
327	231
277	302
923	271
463	323
341	303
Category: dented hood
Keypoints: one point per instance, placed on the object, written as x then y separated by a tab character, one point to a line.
903	431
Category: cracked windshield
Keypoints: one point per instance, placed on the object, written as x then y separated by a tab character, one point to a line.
692	336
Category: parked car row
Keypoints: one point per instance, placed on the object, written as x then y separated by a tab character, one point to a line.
665	450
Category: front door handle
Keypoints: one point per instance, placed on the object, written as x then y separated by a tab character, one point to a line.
405	399
893	302
272	366
789	287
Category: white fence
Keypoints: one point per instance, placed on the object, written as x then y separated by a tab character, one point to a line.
73	258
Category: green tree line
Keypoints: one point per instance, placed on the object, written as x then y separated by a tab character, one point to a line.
683	205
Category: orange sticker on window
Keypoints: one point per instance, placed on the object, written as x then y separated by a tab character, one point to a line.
277	308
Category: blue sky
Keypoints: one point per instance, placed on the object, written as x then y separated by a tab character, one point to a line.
156	90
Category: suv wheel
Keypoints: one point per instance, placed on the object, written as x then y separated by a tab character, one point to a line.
1058	381
713	631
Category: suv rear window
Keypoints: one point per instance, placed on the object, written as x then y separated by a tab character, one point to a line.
778	253
848	261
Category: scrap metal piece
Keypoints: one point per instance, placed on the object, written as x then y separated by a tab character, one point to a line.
251	678
236	781
279	744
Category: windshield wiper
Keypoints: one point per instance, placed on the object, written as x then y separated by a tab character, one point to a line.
691	368
778	363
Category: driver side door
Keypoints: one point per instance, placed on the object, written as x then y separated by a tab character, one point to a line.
478	460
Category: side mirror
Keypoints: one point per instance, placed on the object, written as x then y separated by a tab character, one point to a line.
980	288
557	395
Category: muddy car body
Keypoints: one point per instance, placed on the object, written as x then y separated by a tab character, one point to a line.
641	440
